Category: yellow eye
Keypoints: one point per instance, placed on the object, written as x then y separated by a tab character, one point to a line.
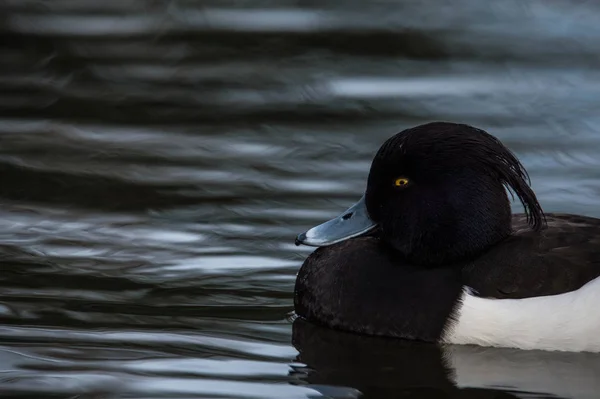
401	182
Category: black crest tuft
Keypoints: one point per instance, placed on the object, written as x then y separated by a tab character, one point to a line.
441	148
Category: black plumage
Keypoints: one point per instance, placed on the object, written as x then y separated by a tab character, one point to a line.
450	228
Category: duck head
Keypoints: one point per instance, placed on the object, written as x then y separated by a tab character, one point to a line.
436	193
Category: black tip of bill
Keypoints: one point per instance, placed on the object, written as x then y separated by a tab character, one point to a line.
354	222
300	238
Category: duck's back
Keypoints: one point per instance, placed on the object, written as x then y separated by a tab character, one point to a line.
561	258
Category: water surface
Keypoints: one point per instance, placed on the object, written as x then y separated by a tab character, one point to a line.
157	159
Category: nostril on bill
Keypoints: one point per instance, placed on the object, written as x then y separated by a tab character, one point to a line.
347	216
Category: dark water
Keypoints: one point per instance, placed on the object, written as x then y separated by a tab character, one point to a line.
157	159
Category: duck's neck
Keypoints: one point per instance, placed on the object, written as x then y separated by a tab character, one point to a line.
454	227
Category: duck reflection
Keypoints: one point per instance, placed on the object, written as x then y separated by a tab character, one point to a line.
340	364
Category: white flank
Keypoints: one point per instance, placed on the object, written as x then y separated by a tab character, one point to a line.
565	322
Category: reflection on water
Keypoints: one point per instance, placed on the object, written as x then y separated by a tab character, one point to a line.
381	368
157	160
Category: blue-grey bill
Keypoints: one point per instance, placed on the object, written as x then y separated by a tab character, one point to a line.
352	223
